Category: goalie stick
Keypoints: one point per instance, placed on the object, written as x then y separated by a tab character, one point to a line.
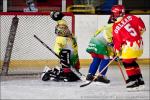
80	75
83	85
46	46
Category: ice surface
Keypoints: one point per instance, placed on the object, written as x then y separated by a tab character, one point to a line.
34	88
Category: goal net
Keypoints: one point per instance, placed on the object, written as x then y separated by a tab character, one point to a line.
28	55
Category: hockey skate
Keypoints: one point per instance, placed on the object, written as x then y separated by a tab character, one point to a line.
102	80
45	74
132	85
141	84
89	77
51	74
135	85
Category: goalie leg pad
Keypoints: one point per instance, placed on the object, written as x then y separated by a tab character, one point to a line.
66	64
65	58
70	76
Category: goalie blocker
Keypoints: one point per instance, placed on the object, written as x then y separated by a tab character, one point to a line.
64	72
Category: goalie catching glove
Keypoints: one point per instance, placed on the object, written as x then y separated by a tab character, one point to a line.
56	15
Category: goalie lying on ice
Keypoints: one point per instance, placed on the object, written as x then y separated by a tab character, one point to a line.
66	47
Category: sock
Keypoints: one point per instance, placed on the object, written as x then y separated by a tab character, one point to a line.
103	64
132	70
94	66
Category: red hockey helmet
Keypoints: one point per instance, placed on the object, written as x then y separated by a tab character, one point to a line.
118	11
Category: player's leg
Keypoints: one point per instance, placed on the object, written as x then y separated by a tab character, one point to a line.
58	73
66	64
103	63
134	74
138	73
103	78
93	68
48	73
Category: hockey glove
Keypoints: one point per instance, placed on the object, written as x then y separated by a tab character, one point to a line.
118	54
56	15
110	44
117	59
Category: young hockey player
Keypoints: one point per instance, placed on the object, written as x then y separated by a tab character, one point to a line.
100	49
128	44
66	47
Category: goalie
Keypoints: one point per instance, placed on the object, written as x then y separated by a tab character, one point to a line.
66	47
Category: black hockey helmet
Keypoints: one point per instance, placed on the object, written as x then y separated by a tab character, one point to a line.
55	15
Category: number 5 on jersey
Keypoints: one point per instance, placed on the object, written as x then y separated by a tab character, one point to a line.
130	30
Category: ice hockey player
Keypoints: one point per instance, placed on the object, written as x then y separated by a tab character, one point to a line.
100	48
66	47
128	44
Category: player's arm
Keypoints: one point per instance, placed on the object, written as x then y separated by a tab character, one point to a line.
98	31
117	41
59	44
108	33
141	25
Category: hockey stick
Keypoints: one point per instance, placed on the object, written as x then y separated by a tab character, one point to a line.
46	46
80	75
119	65
83	85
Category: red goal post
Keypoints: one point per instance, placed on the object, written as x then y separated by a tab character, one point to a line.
28	55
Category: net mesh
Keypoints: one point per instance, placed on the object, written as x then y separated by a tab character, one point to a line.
29	55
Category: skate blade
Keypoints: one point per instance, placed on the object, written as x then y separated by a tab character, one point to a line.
132	89
139	88
85	81
101	83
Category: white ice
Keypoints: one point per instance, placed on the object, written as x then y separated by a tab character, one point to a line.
33	88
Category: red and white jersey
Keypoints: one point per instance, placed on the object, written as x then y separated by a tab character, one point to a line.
127	33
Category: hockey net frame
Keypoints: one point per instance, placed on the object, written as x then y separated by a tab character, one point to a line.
20	61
